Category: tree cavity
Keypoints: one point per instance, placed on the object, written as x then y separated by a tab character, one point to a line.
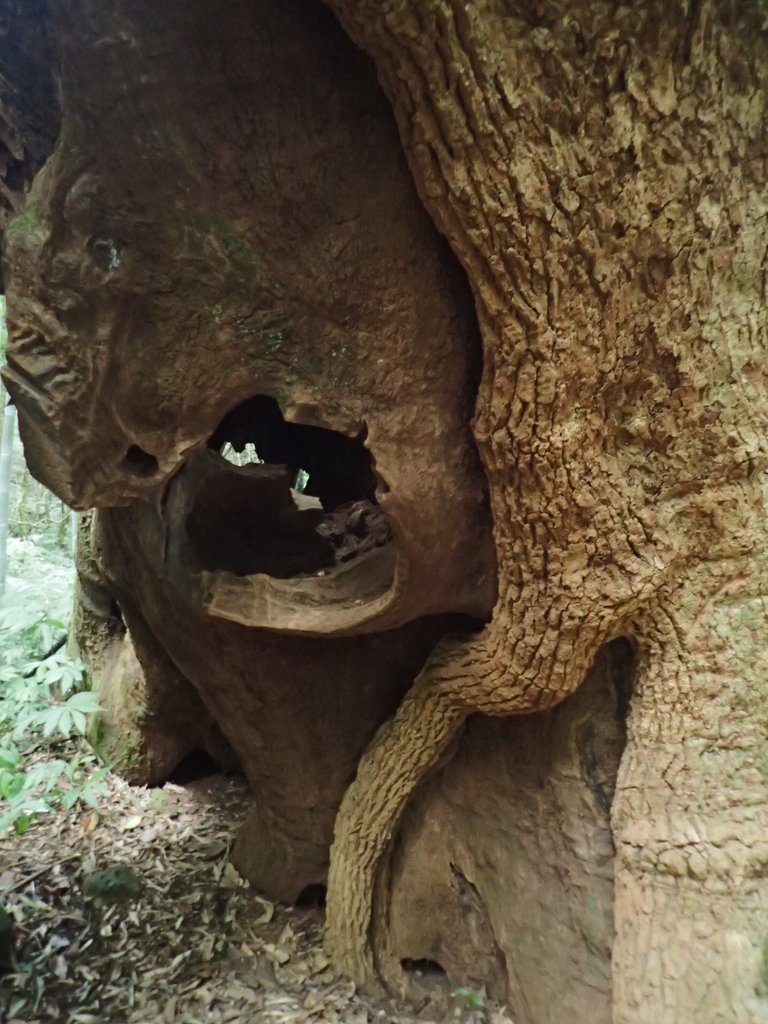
287	500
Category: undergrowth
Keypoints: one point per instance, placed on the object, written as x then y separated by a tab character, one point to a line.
43	700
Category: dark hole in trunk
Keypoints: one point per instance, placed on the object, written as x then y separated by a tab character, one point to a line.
312	896
116	611
340	468
139	463
307	505
431	967
197	764
623	665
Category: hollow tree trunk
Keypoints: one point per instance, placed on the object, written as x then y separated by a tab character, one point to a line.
294	271
298	712
599	170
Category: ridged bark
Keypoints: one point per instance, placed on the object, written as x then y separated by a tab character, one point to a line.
690	818
599	171
504	671
403	753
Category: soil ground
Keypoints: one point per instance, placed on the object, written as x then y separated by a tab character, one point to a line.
197	946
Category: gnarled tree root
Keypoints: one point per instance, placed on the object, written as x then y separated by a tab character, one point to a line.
402	754
456	682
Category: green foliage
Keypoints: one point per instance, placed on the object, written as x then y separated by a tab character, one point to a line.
42	704
43	701
470	999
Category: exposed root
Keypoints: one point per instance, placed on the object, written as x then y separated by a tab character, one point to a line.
403	753
460	678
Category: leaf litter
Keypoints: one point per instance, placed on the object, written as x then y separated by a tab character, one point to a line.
197	945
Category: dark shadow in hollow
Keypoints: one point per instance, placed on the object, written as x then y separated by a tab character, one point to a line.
340	468
249	519
139	463
116	612
312	895
197	764
623	662
429	967
245	522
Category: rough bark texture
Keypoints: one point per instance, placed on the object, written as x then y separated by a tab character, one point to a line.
690	818
217	228
600	170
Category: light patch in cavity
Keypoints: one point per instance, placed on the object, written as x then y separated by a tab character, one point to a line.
106	253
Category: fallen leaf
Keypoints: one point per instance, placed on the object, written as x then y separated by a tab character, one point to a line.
60	968
230	878
164	959
279	956
269	912
129	823
212	849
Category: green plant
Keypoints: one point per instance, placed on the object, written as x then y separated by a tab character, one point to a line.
470	999
42	705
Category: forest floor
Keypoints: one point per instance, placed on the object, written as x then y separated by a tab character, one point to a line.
197	946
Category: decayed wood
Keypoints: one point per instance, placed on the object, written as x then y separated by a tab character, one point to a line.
262	239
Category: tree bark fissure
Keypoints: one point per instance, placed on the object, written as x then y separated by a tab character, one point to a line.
598	176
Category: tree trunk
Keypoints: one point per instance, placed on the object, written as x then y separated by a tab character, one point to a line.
502	873
152	717
597	171
297	712
691	818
